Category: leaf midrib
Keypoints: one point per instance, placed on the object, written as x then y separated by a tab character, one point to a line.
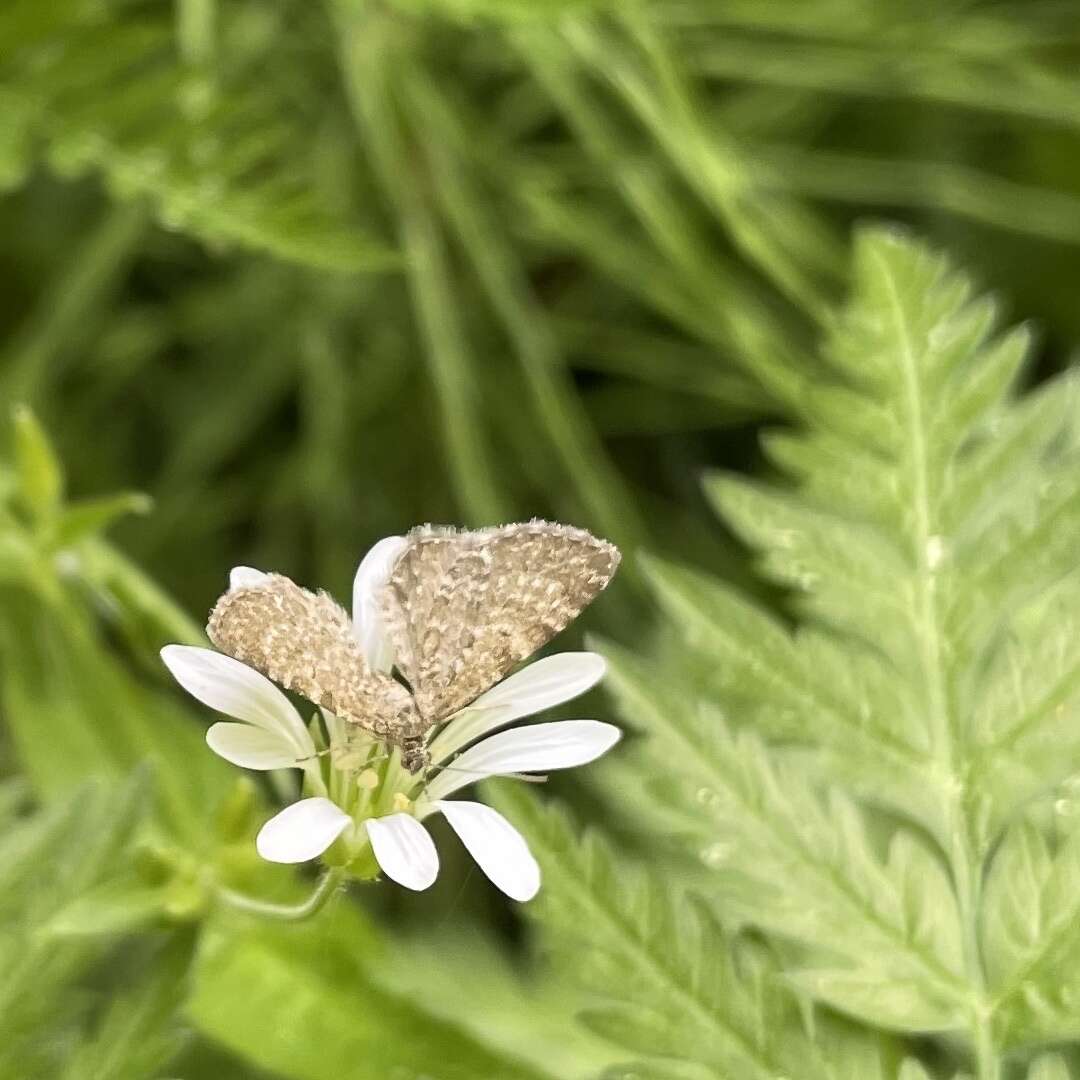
926	618
946	740
690	753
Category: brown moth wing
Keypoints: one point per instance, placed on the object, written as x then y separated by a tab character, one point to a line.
305	642
465	607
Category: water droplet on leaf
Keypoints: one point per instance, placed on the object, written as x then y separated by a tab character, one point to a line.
715	855
935	551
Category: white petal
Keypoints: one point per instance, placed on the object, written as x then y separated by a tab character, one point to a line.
251	747
498	848
541	685
561	744
236	690
245	577
405	851
302	831
371	577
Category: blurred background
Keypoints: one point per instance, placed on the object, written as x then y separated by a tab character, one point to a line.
307	274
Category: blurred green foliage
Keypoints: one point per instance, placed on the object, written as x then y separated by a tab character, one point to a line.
291	276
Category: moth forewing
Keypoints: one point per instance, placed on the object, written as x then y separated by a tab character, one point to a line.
464	608
305	642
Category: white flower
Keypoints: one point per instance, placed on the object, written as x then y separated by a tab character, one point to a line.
358	797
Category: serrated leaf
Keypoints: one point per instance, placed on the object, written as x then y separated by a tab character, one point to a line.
1049	1067
106	93
538	1029
1031	932
886	1002
72	711
48	862
926	541
1013	916
668	983
847	701
796	864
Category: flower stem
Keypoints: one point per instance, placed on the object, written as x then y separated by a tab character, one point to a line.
324	889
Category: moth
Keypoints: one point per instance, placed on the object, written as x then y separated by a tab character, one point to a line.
462	609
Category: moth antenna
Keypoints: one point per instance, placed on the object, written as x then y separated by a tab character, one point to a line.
312	757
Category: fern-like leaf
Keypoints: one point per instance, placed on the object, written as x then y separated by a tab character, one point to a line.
1031	936
48	860
926	537
667	983
101	89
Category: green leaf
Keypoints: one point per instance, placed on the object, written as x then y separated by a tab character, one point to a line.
885	1002
300	1002
538	1028
49	862
912	1070
73	711
138	1035
107	94
1032	936
117	906
926	663
663	980
80	520
509	10
40	474
849	692
801	866
1049	1067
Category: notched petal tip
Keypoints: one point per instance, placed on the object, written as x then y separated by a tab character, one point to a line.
404	850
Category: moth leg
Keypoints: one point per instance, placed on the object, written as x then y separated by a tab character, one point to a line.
414	754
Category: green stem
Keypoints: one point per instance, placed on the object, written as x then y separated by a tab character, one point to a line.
323	891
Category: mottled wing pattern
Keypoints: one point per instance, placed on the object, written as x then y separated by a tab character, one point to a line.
305	642
466	607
